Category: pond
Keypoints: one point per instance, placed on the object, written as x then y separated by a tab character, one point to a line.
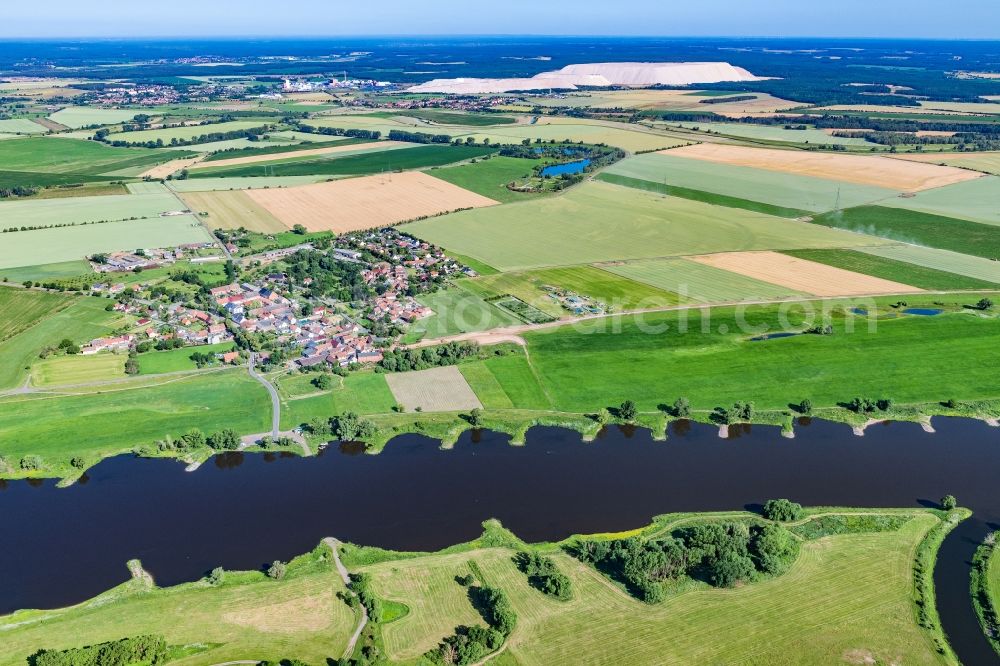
241	511
774	336
923	312
566	168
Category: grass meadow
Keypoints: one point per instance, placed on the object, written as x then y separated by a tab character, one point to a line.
845	594
353	165
892	269
489	177
84	116
458	309
973	200
249	614
184	133
942	260
608	288
651	360
911	226
56	155
57	370
101	423
784	190
83	320
177	360
55	271
77	210
598	222
23	308
362	393
699	282
62	244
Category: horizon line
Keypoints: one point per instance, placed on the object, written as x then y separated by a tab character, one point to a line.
100	37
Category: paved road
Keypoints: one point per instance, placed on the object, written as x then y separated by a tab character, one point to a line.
275	400
346	577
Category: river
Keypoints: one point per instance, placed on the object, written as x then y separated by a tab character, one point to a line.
241	511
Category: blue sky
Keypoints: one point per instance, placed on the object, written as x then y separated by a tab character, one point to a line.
964	19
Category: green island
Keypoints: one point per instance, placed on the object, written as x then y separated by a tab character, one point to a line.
810	582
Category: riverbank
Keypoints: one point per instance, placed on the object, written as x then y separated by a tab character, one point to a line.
985	589
857	564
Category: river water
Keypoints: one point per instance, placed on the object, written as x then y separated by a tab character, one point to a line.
240	511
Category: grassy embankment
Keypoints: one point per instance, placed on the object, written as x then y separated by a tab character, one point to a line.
565	376
985	589
854	591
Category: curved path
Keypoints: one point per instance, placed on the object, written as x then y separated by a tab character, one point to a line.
346	577
275	400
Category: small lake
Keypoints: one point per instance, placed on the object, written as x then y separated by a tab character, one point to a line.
774	336
923	312
241	511
566	168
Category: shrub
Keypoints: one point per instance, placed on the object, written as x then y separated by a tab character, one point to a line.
543	575
682	408
277	570
948	502
627	411
224	440
147	649
781	510
806	406
216	576
31	463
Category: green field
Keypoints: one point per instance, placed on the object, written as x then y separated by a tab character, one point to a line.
177	360
247	183
57	370
82	321
21	126
267	148
698	282
184	133
249	614
811	136
845	594
452	118
77	210
362	393
56	271
361	148
489	177
597	222
105	423
974	200
988	162
613	290
84	116
367	163
458	309
910	226
40	158
653	360
46	246
942	260
785	190
891	269
23	308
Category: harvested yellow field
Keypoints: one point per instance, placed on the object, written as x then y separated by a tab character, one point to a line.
802	275
862	169
366	203
251	159
232	209
442	389
161	171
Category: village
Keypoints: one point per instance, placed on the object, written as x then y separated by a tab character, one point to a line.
282	315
